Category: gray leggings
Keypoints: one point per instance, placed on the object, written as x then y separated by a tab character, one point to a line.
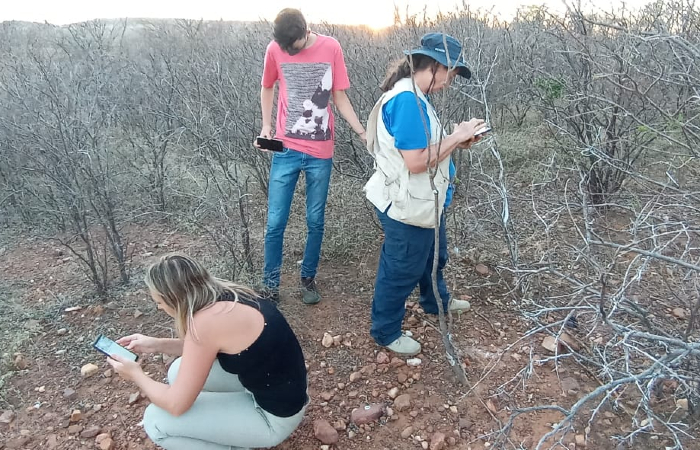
224	416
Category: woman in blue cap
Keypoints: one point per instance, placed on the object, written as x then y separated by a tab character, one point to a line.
407	141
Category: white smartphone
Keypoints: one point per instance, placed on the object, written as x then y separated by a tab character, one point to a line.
109	348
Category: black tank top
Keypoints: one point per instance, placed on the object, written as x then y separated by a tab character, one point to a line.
273	367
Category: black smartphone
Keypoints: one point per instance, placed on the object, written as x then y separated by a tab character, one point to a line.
273	145
109	347
484	130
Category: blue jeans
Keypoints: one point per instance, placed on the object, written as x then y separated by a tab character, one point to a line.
284	174
406	260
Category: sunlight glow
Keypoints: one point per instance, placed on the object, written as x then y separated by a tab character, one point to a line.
372	13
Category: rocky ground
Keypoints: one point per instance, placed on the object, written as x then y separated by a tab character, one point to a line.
60	394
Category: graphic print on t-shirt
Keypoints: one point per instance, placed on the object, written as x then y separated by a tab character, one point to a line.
308	94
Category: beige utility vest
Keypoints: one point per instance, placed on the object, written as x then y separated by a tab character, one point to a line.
409	194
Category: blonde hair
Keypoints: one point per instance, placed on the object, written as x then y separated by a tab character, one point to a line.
187	287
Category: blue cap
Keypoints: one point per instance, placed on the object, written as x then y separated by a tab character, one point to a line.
433	45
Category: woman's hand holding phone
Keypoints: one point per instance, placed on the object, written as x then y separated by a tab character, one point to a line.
140	343
125	367
465	132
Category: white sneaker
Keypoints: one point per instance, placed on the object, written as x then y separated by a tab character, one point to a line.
457	305
405	345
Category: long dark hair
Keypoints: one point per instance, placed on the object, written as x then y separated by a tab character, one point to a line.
401	68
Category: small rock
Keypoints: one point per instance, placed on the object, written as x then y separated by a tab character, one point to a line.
402	402
580	440
107	444
482	269
326	396
62	331
327	340
337	340
21	362
382	358
565	338
340	425
424	445
91	432
465	423
402	378
682	403
76	415
397	362
32	324
19	442
41	389
550	343
367	413
88	370
133	398
108	373
407	432
413	362
437	441
393	392
52	441
69	394
324	432
101	437
137	314
355	376
678	313
570	384
491	406
453	409
75	429
7	417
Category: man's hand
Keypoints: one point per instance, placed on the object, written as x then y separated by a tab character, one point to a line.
265	132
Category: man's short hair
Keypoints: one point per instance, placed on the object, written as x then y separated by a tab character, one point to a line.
289	27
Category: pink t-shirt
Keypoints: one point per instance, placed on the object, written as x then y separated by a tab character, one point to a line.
306	81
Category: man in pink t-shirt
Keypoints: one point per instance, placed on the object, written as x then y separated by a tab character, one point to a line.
309	69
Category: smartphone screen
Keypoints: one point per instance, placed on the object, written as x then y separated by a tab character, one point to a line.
109	347
274	145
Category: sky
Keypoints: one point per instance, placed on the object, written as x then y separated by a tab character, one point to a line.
374	13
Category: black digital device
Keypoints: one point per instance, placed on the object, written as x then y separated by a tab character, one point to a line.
484	130
273	145
109	347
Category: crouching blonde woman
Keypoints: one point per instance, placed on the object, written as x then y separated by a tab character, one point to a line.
240	381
